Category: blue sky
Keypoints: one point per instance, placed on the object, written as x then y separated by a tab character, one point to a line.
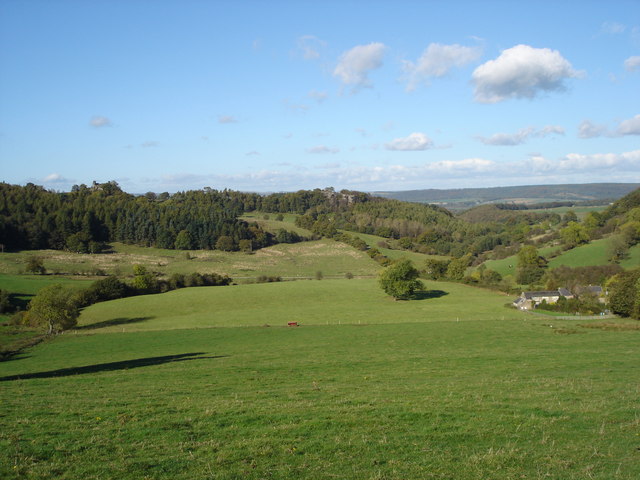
287	95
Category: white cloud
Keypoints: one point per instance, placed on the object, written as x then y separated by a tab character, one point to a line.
630	126
466	166
98	121
521	72
55	178
437	60
572	168
588	129
613	28
520	137
632	64
309	46
414	142
227	119
549	130
576	163
328	166
321	149
355	65
149	144
252	152
509	139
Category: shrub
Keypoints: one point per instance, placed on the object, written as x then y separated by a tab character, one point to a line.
400	280
35	265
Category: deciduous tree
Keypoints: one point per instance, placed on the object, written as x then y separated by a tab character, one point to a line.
55	307
400	280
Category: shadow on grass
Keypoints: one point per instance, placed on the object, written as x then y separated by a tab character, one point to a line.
20	301
427	294
111	366
114	322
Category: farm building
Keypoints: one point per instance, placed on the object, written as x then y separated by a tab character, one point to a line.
529	300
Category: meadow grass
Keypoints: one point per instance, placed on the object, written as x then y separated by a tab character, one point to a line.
373	241
580	211
507	266
440	399
310	302
289	260
594	253
272	225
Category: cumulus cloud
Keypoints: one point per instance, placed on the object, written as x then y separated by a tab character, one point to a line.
321	149
227	119
579	163
466	166
55	178
521	72
414	142
588	129
355	65
98	121
630	126
437	60
572	168
520	137
252	152
149	144
632	64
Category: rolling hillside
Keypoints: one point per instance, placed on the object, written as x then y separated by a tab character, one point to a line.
463	198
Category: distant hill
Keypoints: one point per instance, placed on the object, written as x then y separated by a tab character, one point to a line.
464	198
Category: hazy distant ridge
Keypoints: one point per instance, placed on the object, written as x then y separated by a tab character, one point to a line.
520	194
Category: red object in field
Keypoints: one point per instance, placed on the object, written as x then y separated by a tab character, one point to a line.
293	324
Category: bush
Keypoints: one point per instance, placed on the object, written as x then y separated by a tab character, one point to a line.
35	265
5	303
268	279
55	307
400	280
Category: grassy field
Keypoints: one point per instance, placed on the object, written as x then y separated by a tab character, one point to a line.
441	399
272	225
580	211
373	241
309	302
507	266
594	253
290	260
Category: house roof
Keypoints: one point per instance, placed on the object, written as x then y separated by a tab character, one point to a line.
593	289
548	293
561	292
564	292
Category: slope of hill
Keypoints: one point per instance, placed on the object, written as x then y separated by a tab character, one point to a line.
462	198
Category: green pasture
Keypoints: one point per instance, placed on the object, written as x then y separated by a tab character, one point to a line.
594	253
289	260
507	266
309	302
373	240
270	224
493	399
580	211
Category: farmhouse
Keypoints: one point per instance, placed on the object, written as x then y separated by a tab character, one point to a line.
530	300
594	290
